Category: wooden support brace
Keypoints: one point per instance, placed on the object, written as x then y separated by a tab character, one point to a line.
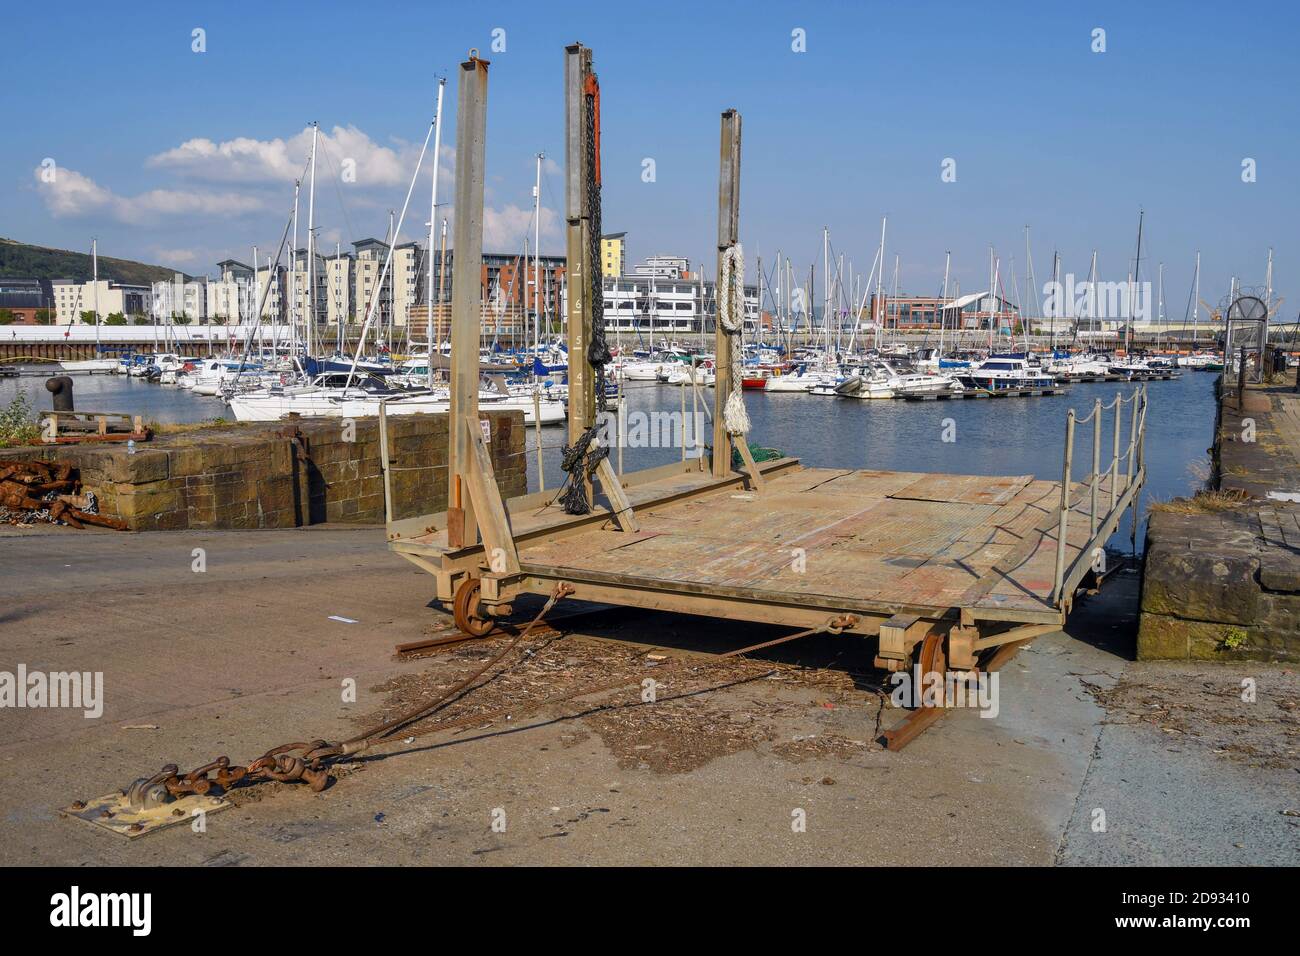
755	479
613	488
494	523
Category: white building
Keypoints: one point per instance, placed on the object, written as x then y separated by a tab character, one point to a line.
339	275
72	298
179	297
230	298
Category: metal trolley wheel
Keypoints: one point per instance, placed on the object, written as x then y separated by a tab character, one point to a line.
465	609
933	658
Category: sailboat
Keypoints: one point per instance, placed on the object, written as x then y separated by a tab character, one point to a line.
95	364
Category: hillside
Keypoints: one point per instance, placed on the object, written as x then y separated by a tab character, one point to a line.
21	261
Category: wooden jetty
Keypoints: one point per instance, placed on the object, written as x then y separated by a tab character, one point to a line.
974	393
1137	377
939	569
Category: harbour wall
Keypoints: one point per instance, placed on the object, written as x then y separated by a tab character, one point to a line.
1222	569
281	474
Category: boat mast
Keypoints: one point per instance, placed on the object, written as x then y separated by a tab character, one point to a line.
1095	322
1033	285
442	271
894	295
537	261
433	224
826	289
992	280
1196	299
94	265
879	306
311	245
943	302
293	274
1135	277
1160	307
257	294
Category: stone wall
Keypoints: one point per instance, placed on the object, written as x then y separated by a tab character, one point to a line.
1222	570
282	474
1218	586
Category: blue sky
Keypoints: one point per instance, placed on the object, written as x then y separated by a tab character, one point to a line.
183	158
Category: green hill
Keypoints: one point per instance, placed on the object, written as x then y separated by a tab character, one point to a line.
21	261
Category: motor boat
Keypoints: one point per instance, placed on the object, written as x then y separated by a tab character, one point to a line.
999	372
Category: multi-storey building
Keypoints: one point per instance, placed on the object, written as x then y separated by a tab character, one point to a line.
299	281
271	286
408	279
180	297
613	254
230	297
669	298
28	301
340	306
71	298
918	312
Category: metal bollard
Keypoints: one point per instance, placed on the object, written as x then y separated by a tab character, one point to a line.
60	389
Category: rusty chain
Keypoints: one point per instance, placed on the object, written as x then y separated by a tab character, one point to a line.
307	762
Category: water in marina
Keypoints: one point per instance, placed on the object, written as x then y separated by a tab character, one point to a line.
1010	436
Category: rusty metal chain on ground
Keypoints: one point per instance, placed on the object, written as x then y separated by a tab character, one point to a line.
308	762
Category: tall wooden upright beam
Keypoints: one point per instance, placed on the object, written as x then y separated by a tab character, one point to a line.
728	236
578	173
471	129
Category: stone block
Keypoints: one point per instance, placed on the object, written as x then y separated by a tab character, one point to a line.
1209	585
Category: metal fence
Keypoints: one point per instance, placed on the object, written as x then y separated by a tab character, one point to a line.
1121	491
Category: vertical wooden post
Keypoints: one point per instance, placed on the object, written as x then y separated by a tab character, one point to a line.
537	431
577	174
471	128
728	236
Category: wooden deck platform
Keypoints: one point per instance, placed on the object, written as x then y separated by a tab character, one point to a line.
811	543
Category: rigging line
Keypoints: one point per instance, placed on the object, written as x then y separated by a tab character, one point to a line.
337	179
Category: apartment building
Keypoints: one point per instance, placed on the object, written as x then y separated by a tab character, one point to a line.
71	298
613	254
180	297
340	304
230	297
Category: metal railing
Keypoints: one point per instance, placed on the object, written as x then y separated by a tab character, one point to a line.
1120	493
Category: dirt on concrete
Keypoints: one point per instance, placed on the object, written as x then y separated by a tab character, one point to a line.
1248	714
705	708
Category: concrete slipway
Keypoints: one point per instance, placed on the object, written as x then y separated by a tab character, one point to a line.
243	655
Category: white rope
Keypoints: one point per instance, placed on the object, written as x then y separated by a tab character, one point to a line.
731	319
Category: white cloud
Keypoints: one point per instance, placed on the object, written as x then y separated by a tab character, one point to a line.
342	151
504	229
72	194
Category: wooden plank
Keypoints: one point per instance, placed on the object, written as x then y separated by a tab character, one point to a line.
498	540
613	489
755	476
